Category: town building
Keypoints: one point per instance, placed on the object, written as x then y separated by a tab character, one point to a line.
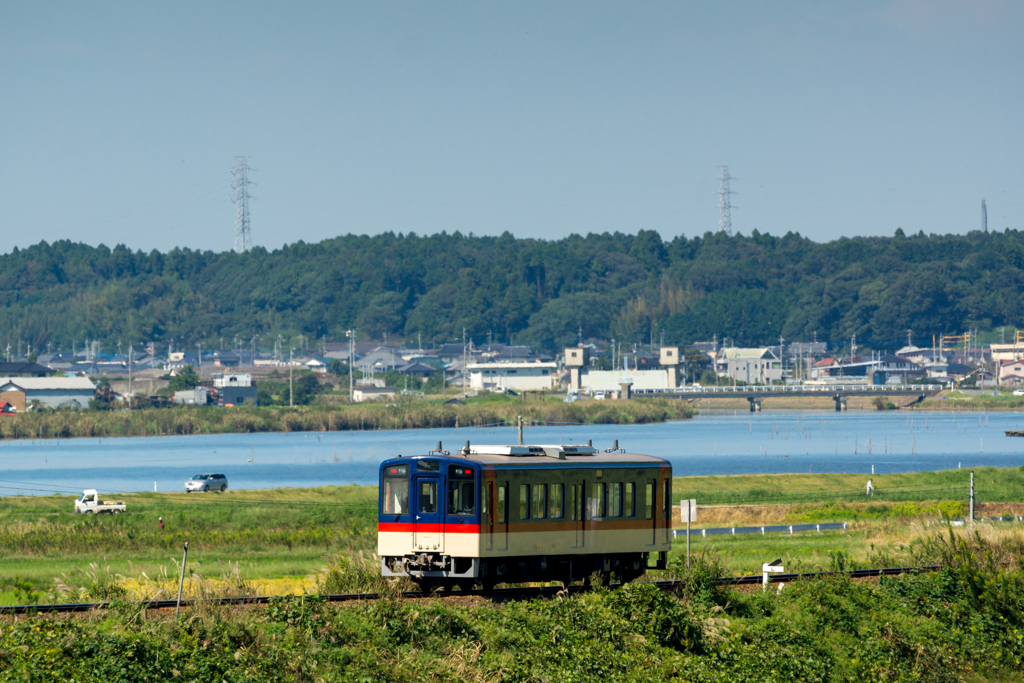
49	392
517	376
364	393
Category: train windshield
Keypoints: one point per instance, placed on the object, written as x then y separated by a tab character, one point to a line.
461	491
396	490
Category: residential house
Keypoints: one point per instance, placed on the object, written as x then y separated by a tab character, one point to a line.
1011	372
752	366
25	369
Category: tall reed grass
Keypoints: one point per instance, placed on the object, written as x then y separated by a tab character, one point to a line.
212	420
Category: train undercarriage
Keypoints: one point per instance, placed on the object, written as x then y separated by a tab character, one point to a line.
433	571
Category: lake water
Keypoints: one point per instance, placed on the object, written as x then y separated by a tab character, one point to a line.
713	443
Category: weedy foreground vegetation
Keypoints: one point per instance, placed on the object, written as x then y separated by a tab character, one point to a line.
965	623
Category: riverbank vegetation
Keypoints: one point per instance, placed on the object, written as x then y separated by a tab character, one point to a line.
186	420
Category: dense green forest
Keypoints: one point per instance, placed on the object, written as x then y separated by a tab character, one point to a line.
751	289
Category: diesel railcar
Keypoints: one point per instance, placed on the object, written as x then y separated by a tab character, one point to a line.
485	515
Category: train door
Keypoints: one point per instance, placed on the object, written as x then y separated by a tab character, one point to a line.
428	522
489	513
579	496
650	508
666	504
501	513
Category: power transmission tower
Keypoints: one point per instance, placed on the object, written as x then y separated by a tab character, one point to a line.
984	216
724	204
243	238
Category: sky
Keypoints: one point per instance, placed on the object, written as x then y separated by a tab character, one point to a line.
120	121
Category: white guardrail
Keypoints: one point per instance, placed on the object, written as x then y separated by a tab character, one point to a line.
733	530
796	389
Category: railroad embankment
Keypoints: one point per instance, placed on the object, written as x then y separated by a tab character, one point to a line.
412	415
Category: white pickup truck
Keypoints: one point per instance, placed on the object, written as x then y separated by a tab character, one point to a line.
90	504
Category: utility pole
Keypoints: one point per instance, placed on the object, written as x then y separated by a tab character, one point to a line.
465	388
971	501
200	345
351	363
243	237
984	216
291	395
129	374
579	332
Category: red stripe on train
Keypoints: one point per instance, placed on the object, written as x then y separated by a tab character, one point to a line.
409	527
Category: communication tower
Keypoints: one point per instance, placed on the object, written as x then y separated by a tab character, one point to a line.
984	216
243	238
724	204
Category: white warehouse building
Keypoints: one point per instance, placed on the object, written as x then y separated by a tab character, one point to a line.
517	376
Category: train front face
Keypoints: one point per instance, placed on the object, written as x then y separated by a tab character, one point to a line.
428	523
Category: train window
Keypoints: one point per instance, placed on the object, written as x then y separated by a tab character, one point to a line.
502	503
540	501
524	501
598	500
628	500
396	490
428	465
649	500
461	498
555	510
615	500
428	496
667	507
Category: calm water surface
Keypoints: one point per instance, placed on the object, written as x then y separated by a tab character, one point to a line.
713	443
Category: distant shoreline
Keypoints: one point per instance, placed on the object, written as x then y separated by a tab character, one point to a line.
186	421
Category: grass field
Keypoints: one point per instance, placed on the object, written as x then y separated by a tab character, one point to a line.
283	537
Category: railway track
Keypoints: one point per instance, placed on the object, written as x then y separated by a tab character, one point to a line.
498	594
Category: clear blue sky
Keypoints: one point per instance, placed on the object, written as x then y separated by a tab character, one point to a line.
119	121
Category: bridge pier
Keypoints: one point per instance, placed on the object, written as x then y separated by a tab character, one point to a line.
755	404
840	402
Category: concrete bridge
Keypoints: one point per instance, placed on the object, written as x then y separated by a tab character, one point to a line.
837	392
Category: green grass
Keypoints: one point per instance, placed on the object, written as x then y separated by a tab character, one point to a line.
992	484
275	533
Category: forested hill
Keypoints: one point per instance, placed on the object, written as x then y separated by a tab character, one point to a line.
751	289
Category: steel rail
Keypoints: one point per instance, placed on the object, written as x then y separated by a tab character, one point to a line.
498	593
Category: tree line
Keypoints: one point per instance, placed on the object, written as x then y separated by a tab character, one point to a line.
631	287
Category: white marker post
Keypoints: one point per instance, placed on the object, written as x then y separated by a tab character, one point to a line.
688	513
770	568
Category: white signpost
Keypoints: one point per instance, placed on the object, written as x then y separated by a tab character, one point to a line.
770	568
688	513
